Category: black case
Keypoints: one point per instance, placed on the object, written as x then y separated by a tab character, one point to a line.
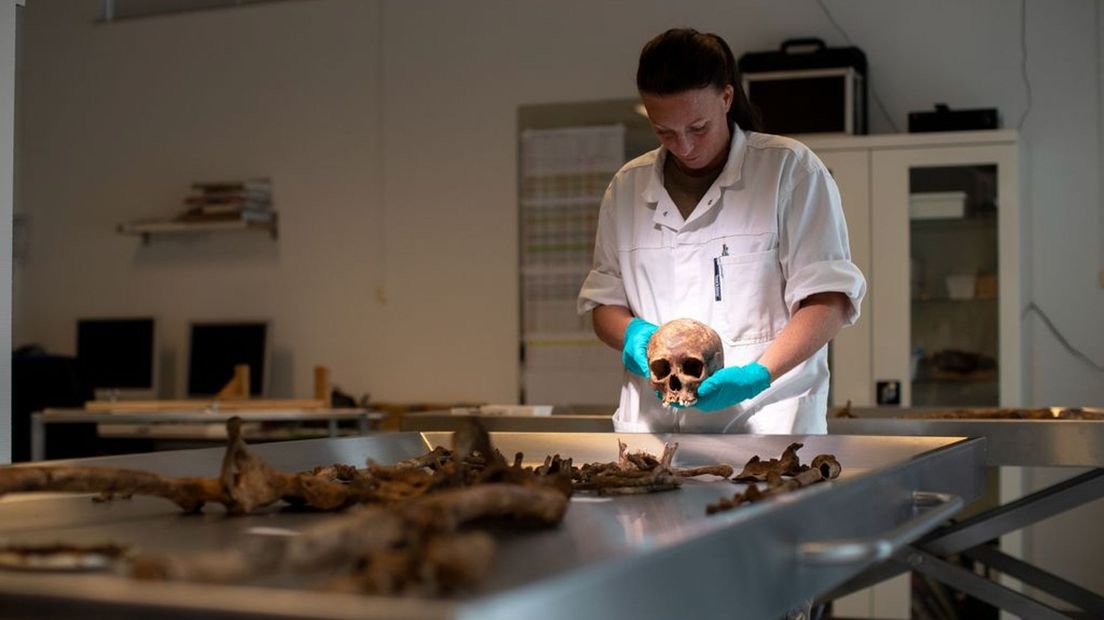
945	119
807	53
801	103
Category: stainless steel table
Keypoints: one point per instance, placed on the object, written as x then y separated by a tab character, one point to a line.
644	556
366	419
1070	443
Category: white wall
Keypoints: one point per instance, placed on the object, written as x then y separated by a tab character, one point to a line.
396	259
119	118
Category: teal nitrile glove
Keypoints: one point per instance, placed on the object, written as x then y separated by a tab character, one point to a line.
731	386
634	353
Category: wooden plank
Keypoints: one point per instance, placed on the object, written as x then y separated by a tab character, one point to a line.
322	390
200	404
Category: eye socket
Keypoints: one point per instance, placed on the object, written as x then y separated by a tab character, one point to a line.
660	369
693	368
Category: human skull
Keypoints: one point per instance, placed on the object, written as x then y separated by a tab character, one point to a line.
681	354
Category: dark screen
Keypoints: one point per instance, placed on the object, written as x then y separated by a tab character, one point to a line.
116	353
217	347
793	106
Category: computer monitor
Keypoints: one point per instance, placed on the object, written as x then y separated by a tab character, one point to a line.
116	355
216	348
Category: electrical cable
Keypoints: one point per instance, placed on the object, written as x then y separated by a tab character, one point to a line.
847	39
1031	306
1099	134
1023	62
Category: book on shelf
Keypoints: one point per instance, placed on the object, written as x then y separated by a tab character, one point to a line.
259	185
247	199
225	206
201	196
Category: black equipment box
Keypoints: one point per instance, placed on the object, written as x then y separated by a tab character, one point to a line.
807	87
945	119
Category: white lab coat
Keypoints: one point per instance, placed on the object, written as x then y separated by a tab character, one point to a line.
773	223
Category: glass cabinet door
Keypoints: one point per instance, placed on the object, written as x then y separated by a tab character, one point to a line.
954	341
946	276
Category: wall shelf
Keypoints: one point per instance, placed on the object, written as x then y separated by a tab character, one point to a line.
147	229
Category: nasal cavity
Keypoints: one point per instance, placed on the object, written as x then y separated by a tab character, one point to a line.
660	369
693	368
675	384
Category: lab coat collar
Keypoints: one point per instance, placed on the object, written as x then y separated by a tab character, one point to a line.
735	165
655	194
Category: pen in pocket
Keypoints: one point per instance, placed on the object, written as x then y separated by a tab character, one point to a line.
716	279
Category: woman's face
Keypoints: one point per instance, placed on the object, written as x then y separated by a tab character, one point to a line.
692	125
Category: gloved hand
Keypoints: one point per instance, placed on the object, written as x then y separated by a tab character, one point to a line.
732	385
634	353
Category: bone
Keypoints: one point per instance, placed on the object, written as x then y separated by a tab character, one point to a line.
359	533
722	470
188	493
757	469
405	540
681	354
824	467
639	472
246	483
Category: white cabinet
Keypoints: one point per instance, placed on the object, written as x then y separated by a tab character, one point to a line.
934	223
935	226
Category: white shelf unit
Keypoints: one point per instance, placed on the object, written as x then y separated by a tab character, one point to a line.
564	174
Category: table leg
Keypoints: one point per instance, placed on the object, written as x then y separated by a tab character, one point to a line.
968	537
38	437
362	423
1089	601
979	587
332	425
1016	515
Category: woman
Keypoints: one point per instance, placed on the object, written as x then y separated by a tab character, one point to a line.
740	230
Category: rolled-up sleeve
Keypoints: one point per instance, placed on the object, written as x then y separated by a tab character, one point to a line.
813	245
603	285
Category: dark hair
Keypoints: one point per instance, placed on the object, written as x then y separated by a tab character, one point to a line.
683	59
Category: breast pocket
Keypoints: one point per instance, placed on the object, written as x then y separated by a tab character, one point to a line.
751	307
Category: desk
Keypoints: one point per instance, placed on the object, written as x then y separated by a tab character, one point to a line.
367	419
